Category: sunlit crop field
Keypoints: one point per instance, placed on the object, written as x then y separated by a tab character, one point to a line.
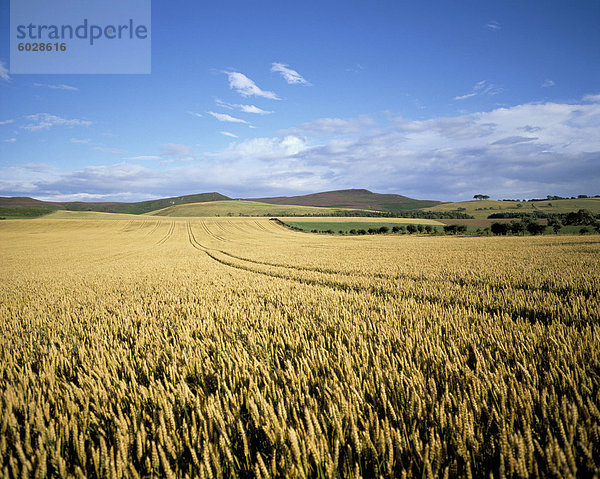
235	347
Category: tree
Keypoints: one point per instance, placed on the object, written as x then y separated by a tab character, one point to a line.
481	197
455	229
428	229
395	229
555	224
581	218
500	228
517	227
556	227
411	229
383	229
535	228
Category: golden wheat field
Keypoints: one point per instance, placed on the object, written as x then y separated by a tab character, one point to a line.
234	347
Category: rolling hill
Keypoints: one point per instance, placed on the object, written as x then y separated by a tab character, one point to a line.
483	208
316	204
243	208
24	206
354	198
334	200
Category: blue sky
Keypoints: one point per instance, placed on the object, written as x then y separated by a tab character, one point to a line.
430	99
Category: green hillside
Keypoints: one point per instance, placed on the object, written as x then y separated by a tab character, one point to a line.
28	207
242	208
144	206
484	208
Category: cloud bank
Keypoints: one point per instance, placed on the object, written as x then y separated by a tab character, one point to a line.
522	151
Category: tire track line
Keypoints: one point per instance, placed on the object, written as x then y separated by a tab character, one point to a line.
168	235
527	314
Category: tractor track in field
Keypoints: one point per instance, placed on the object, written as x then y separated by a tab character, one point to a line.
126	226
155	226
167	235
210	233
462	282
528	314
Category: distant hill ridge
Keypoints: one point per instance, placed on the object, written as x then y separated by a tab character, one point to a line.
352	198
136	208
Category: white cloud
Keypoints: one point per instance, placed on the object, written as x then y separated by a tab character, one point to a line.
223	104
98	146
592	98
143	157
289	75
44	121
493	25
112	151
193	113
177	152
57	87
226	133
226	117
6	122
548	83
4	72
464	97
253	109
245	108
265	148
10	140
481	88
332	126
246	87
